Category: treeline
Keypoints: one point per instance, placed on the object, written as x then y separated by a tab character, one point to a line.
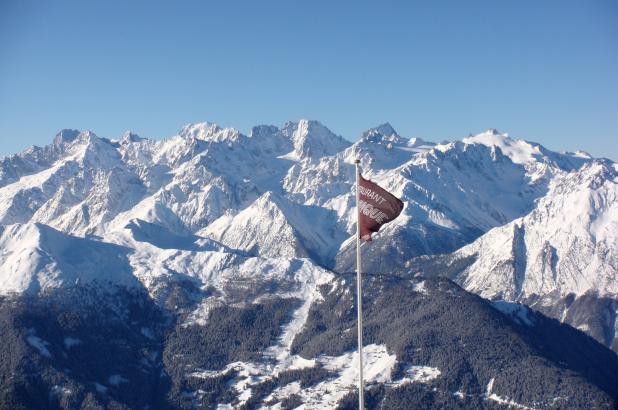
468	340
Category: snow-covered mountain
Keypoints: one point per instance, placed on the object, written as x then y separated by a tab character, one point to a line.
35	258
568	243
274	227
561	258
212	220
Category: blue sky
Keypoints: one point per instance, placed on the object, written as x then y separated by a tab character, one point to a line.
541	70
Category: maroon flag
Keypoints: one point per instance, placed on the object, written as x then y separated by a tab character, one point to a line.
376	207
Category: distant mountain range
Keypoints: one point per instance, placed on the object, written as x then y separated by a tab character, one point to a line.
212	269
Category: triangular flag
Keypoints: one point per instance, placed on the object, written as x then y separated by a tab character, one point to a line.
376	207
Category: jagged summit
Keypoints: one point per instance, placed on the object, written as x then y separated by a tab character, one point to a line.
382	134
567	244
260	131
311	139
272	226
581	154
518	151
384	129
382	148
530	154
263	228
65	136
210	132
129	136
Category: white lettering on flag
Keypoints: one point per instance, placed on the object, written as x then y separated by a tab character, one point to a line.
371	195
373	213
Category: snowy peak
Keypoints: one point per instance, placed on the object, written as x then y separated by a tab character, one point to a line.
66	136
263	131
384	130
580	154
69	138
129	137
83	146
383	134
82	186
260	229
210	132
594	174
561	258
529	154
382	148
519	151
311	139
568	243
274	227
379	148
36	258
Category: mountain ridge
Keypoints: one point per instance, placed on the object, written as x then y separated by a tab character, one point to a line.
212	223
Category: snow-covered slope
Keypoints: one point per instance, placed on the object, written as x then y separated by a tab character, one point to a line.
36	259
561	258
382	148
79	193
528	153
568	243
453	194
274	227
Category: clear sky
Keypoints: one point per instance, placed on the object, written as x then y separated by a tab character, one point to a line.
545	71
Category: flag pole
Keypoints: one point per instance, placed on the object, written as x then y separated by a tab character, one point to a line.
359	296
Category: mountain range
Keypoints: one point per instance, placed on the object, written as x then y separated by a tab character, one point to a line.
213	269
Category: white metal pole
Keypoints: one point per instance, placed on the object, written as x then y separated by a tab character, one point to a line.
359	297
